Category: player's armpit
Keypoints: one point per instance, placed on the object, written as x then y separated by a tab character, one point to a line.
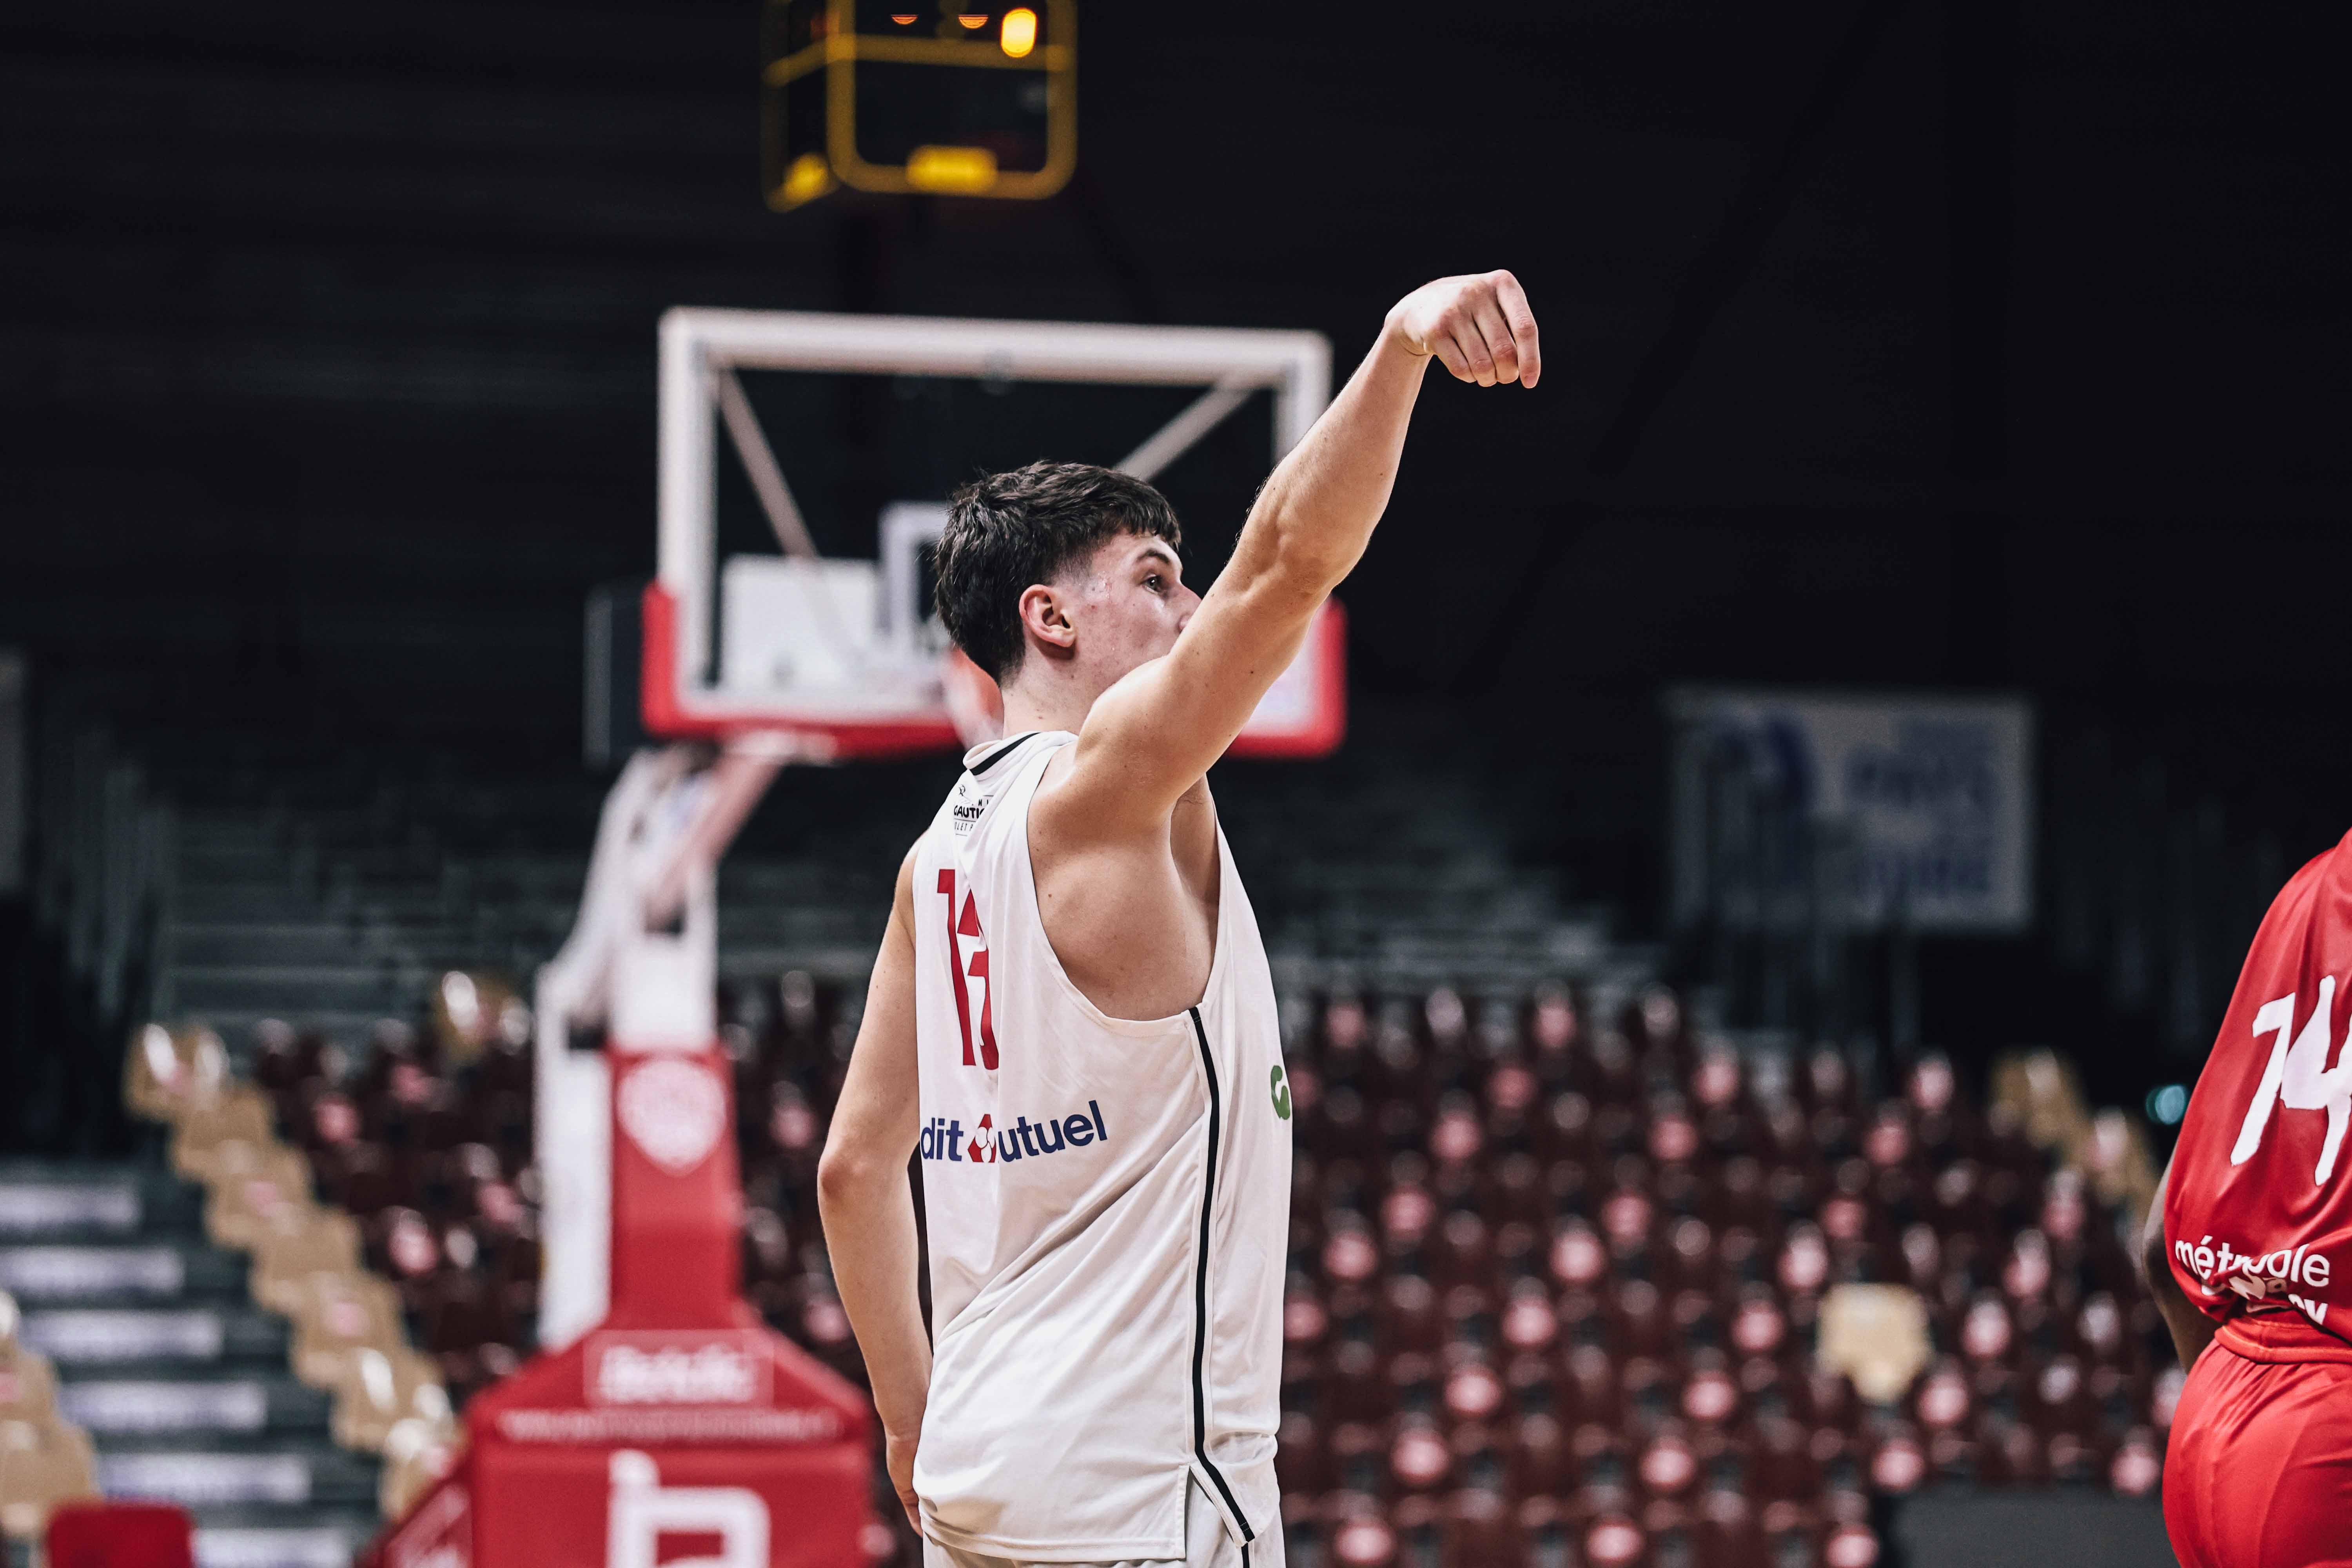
863	1193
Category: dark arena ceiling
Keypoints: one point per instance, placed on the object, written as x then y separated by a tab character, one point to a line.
1964	343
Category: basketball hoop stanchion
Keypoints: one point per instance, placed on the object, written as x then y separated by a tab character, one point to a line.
678	1414
662	1412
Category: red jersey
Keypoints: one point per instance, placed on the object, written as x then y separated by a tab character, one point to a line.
2258	1214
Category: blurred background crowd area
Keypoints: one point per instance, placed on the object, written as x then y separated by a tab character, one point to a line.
1976	366
1574	1277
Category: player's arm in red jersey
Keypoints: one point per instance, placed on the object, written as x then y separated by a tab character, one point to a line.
2191	1329
868	1205
1152	735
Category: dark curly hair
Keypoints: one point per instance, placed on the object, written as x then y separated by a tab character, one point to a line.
1007	532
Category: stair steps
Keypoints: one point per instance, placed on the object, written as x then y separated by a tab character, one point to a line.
181	1382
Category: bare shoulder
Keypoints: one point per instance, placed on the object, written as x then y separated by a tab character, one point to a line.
1061	817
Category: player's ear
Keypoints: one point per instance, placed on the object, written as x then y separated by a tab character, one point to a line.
1045	621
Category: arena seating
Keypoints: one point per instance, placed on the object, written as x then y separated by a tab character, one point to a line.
1575	1263
428	1152
347	1335
1555	1272
1556	1266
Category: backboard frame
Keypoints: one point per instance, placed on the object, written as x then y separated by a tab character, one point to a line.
702	347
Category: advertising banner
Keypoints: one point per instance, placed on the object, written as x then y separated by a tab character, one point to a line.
1930	797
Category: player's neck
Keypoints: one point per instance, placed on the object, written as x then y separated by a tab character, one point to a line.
1046	699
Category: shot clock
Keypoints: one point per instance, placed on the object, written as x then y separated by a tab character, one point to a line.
936	96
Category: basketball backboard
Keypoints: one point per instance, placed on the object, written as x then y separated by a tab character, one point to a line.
842	658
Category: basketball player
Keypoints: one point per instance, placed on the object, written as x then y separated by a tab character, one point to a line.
1071	1020
2249	1254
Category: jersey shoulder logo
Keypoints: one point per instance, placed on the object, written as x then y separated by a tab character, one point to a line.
1281	1093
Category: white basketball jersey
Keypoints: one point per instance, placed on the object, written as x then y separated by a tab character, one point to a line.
1106	1202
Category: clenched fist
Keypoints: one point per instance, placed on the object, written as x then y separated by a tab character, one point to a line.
1478	326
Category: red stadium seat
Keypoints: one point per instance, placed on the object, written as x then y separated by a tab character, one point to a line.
1637	1320
1362	1540
1589	1389
1783	1467
119	1535
1710	1396
1413	1378
1408	1316
2010	1453
1539	1461
1528	1322
1615	1540
1474	1392
358	1176
1481	1458
1302	1460
1689	1261
1461	1251
1359	1459
1668	1466
1356	1388
1579	1257
2057	1398
1476	1530
2138	1468
1726	1531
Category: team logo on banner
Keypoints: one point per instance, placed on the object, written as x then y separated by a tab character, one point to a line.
675	1110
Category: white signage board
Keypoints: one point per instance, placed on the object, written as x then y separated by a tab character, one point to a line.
1935	794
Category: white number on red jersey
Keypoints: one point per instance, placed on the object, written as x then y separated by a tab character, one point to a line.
2299	1078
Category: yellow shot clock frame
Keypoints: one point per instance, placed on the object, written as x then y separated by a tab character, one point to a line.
812	93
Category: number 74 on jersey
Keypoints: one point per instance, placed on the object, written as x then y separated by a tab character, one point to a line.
2298	1078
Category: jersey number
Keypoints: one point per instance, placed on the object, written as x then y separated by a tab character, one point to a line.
2298	1077
966	923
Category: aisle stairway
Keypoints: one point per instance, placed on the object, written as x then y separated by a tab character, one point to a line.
181	1383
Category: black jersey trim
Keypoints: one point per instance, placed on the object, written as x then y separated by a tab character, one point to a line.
1001	752
1201	1296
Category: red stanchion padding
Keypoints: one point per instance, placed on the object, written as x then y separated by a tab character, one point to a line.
438	1528
680	1430
121	1535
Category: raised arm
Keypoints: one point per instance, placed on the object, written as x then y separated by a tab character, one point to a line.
1153	734
867	1205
